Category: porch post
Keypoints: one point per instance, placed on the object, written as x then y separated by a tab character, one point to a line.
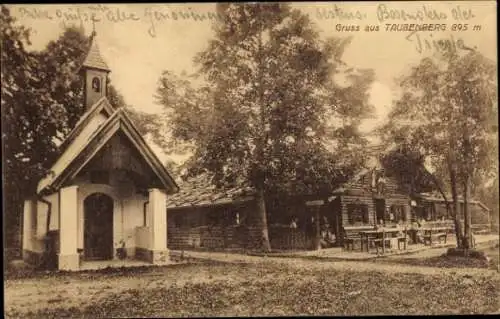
407	212
316	206
158	226
68	228
317	228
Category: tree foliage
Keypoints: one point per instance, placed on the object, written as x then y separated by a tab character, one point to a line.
31	116
409	165
185	107
448	113
270	111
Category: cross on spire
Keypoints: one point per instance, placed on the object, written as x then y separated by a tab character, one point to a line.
93	28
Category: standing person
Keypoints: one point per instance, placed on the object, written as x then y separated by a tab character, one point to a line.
420	231
310	227
325	227
390	214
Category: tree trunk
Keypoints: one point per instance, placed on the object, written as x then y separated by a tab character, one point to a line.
261	204
467	241
456	206
262	222
317	228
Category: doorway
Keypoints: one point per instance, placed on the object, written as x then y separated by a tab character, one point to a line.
98	227
379	210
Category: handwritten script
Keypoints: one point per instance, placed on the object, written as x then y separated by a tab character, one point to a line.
98	13
415	22
426	12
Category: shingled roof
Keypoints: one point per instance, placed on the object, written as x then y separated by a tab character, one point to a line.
94	58
199	191
437	197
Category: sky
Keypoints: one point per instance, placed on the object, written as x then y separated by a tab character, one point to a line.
139	41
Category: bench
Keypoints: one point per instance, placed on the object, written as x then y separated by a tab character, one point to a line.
481	229
378	243
350	239
439	236
352	235
482	232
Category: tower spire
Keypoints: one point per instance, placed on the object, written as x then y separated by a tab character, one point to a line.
95	73
93	34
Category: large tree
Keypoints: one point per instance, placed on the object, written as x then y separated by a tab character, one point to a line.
271	112
448	113
30	119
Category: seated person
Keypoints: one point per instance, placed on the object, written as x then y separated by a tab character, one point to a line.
421	222
332	238
420	236
327	239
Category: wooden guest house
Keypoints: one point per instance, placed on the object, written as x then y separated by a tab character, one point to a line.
202	217
199	216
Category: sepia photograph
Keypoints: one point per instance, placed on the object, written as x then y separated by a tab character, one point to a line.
250	159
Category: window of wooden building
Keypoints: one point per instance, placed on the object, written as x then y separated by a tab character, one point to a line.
357	213
180	220
441	211
398	213
430	213
223	217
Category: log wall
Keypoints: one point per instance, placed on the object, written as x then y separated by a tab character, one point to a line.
361	192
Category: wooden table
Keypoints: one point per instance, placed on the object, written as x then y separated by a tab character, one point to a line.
429	231
378	234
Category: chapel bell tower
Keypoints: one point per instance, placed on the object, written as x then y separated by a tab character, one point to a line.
95	74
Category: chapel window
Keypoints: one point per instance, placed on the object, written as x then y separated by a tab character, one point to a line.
96	84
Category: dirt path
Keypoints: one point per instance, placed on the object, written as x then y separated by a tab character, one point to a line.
348	265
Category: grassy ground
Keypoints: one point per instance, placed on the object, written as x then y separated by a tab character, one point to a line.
265	288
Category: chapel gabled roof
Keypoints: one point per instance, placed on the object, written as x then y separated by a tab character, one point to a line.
101	106
88	142
94	59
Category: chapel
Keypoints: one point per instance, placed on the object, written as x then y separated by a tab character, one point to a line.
105	197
